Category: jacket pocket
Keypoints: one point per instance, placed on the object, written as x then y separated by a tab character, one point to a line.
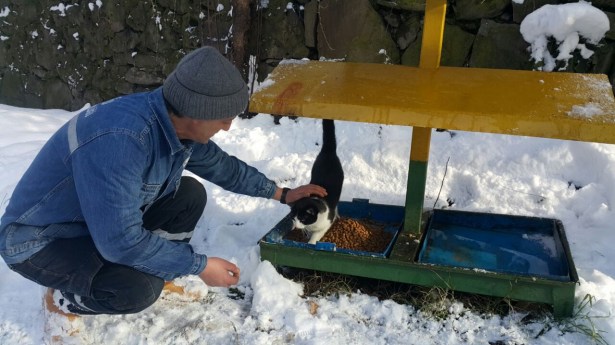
49	230
149	192
63	230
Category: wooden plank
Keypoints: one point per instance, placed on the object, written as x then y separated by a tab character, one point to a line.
528	103
433	34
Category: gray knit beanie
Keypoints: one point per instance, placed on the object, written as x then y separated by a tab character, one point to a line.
206	86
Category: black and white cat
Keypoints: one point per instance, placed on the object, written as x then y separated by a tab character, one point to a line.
315	215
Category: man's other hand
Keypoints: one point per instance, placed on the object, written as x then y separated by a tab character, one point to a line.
219	272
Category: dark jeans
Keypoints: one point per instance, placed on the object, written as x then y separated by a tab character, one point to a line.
74	265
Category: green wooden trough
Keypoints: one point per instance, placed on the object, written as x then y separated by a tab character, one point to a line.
514	257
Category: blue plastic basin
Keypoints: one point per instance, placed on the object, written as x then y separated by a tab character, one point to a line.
390	216
519	245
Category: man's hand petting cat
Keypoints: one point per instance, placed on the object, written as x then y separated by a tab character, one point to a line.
304	192
219	272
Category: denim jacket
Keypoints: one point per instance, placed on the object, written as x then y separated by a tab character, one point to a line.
99	171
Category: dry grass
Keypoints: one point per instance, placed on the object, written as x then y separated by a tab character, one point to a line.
435	302
432	301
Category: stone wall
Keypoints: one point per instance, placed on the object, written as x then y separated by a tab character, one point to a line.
55	55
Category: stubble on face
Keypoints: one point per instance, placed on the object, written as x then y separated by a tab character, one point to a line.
199	130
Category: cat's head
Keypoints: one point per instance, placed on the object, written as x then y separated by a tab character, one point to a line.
305	211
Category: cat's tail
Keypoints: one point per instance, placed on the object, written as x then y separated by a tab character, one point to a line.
328	135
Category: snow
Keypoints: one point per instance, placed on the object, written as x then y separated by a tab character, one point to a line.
61	8
91	5
567	24
5	12
570	181
488	173
588	110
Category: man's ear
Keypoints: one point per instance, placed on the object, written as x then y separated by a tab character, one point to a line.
174	114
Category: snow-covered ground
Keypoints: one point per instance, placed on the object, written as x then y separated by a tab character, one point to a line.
571	181
489	173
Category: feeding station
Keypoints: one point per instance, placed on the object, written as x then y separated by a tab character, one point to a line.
509	256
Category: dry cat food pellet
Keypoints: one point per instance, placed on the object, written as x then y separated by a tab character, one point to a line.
354	234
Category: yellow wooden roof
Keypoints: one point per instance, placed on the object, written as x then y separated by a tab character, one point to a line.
530	103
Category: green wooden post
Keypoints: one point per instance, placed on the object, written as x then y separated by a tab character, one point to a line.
431	52
417	175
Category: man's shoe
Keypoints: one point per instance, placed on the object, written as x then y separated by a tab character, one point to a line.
74	305
61	326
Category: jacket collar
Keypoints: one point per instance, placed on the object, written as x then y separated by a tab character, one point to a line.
156	102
